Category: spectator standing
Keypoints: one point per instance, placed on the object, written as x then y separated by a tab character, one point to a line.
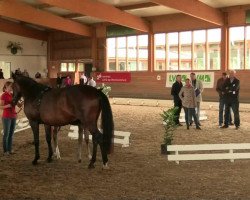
91	82
38	75
219	89
189	102
83	79
1	74
67	81
25	73
176	88
59	81
231	89
198	87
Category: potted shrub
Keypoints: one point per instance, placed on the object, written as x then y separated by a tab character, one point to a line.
169	127
14	47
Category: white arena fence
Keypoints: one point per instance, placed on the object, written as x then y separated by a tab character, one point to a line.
121	137
21	124
216	152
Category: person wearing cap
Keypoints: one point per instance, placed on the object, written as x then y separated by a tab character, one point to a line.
198	87
219	89
231	89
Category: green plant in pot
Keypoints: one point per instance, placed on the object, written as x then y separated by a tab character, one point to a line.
169	127
14	47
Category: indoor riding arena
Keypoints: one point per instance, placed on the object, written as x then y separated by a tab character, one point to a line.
111	68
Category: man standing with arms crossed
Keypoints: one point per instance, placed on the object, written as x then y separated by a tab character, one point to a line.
231	89
177	101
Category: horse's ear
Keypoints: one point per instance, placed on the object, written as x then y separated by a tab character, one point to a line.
13	75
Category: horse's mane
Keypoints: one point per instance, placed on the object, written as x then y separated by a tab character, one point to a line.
30	83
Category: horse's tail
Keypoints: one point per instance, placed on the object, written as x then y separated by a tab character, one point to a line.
107	123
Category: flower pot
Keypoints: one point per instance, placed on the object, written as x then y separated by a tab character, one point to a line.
164	149
13	50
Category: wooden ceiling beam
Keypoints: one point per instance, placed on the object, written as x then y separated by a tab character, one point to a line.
137	6
195	8
19	29
31	15
102	11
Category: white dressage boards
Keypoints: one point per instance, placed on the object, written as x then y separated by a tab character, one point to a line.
121	137
21	124
210	152
203	116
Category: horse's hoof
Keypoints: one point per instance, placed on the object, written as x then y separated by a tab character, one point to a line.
34	162
105	167
91	166
79	161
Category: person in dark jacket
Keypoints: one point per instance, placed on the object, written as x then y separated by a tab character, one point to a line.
230	91
176	88
219	89
1	74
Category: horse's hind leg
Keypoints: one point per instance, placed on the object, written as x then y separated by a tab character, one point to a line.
98	139
86	138
35	129
48	139
80	133
55	140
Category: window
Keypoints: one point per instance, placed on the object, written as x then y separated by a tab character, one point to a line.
236	39
247	66
68	67
160	51
81	67
64	67
127	53
189	50
186	50
214	39
199	53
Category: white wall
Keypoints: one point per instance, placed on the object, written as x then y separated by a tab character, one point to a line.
33	56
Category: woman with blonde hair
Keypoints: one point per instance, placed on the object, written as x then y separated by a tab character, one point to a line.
8	117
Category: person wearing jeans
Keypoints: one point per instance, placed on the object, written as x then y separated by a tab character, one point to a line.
8	118
189	103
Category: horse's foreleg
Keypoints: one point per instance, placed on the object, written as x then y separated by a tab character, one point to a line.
55	140
80	133
48	139
35	130
86	138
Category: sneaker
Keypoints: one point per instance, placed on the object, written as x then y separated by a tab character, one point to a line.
198	128
224	126
237	127
180	124
231	124
187	127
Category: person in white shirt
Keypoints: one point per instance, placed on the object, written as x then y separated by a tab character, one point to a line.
92	82
83	79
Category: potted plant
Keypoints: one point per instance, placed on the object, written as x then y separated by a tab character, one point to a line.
169	127
14	47
105	89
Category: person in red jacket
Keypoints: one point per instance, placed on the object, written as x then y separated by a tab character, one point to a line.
8	117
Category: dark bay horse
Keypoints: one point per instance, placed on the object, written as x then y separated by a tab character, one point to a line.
77	105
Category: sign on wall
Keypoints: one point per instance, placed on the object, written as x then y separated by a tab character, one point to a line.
109	77
207	78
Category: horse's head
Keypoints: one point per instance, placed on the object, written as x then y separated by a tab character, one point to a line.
16	90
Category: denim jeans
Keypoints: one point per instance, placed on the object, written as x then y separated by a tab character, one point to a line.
222	108
189	113
8	131
234	104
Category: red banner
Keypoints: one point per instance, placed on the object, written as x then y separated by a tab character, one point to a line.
108	77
